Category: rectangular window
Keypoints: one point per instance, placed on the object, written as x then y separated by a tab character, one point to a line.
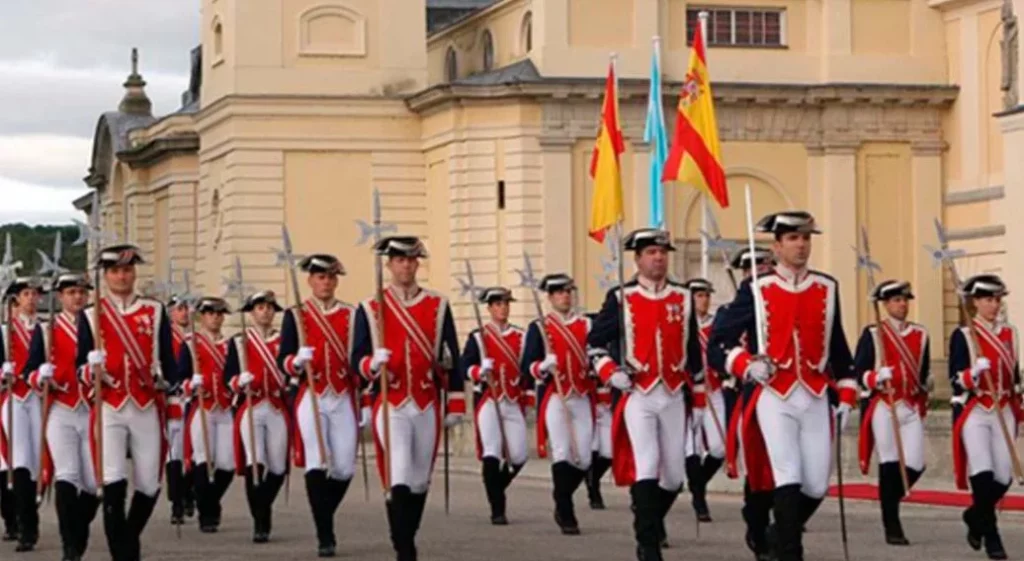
739	27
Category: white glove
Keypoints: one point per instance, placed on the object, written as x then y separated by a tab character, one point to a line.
245	378
621	381
197	381
303	357
697	417
97	358
981	364
381	357
453	419
549	363
7	370
843	415
46	371
364	417
758	370
883	375
486	367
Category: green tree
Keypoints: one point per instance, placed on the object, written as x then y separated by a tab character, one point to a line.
25	240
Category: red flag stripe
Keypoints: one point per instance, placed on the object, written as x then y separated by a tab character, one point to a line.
689	141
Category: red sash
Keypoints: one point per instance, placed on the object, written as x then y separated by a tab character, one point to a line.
570	339
912	365
501	343
133	351
265	353
330	336
416	334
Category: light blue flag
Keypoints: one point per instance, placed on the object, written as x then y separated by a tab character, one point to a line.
656	136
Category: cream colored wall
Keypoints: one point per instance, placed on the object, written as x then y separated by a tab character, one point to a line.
505	22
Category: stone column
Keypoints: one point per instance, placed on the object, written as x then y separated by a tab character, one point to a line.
1012	125
560	234
837	36
926	186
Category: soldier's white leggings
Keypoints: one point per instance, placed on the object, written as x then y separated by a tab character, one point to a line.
138	430
562	443
490	431
414	436
175	440
28	427
658	431
67	438
797	434
271	437
339	426
986	448
220	430
707	438
602	441
911	432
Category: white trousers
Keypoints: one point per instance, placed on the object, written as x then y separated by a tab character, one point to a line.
706	438
175	440
413	443
138	430
220	432
271	438
28	428
561	444
512	421
798	437
339	426
657	426
985	445
911	432
67	438
602	441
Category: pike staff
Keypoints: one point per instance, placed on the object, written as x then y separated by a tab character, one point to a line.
8	273
194	351
237	286
53	267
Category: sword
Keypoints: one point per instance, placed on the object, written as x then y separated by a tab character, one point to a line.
864	262
946	256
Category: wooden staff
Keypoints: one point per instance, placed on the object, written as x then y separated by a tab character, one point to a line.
9	424
199	395
889	393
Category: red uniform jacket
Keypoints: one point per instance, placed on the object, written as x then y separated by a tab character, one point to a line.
175	401
505	348
67	390
211	360
566	338
261	362
711	378
20	339
329	332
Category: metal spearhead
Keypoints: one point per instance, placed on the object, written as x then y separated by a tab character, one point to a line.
8	266
716	243
526	278
378	229
285	255
466	287
864	260
51	265
942	254
234	286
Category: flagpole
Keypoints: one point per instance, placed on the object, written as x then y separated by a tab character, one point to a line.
657	192
704	210
619	227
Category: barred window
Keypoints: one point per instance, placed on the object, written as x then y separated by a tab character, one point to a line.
739	27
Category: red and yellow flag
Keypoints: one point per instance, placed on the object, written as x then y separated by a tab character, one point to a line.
696	155
606	207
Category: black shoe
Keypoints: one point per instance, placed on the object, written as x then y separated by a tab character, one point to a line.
648	553
325	550
597	502
499	520
190	507
973	534
23	547
700	507
208	528
994	546
260	537
10	536
568	527
897	540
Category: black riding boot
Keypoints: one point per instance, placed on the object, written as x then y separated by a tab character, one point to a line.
974	516
138	516
698	488
401	518
319	504
890	493
205	498
494	488
666	500
28	511
88	504
188	491
7	510
254	499
269	489
115	522
564	476
993	541
648	516
790	509
757	508
222	479
598	467
176	491
65	498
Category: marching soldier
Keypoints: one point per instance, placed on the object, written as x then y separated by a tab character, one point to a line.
895	353
601	447
179	486
327	324
757	505
787	417
209	392
708	437
662	362
136	353
502	391
52	362
24	411
420	353
261	384
985	372
555	355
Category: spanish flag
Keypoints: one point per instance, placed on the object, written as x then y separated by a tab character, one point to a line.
696	155
606	207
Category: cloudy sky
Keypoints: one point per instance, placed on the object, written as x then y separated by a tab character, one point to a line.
62	64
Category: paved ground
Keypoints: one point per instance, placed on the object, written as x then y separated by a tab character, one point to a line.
466	534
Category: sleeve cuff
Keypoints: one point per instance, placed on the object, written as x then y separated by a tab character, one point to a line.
699	397
605	368
33	380
187	387
535	370
474	373
233	384
869	379
289	365
456	403
966	380
528	399
737	360
364	368
366	400
847	389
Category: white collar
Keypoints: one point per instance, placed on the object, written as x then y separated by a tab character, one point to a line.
897	325
994	327
651	285
794	276
122	304
403	295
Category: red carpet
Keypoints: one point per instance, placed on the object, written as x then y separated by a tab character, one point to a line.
869	492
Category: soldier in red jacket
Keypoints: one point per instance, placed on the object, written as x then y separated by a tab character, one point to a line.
662	362
23	411
324	356
207	350
893	355
502	392
984	368
179	485
421	353
52	362
135	360
706	454
787	423
256	378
